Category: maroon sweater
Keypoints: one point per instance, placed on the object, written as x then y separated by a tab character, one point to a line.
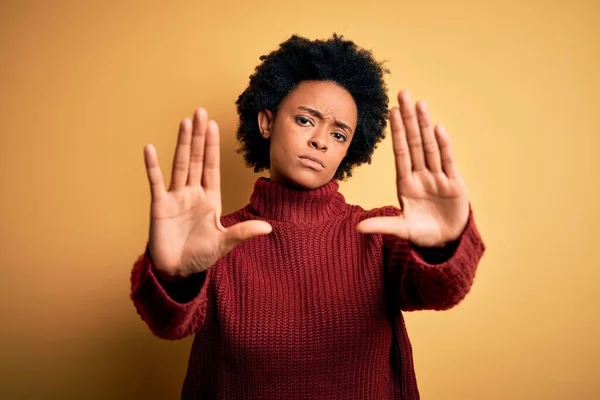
311	311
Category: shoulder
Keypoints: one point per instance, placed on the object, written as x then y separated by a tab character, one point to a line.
235	217
383	211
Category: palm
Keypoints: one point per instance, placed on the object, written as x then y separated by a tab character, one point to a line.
183	222
431	193
186	235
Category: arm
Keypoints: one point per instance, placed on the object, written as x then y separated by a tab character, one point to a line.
431	244
187	238
172	310
433	278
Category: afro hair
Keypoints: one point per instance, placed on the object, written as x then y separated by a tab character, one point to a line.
297	60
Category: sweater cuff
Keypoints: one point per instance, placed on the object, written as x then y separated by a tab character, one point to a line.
469	241
435	255
182	291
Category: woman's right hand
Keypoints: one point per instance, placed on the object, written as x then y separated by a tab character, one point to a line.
186	235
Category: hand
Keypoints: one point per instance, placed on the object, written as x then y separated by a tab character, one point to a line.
186	235
431	192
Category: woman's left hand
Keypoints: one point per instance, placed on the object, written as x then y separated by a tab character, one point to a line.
431	192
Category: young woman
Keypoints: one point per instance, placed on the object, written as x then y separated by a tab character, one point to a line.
300	295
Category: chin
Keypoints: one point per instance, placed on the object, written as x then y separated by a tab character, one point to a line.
307	179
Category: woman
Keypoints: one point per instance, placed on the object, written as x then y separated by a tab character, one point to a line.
299	294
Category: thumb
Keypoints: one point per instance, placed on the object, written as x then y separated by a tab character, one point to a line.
244	231
385	225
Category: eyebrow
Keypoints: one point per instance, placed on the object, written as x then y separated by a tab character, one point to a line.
320	115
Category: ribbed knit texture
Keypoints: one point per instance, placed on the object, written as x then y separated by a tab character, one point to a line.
312	310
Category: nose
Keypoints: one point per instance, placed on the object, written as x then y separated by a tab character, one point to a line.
317	141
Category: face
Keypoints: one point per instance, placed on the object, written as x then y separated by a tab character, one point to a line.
310	134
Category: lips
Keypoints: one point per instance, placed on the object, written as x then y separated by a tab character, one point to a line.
312	162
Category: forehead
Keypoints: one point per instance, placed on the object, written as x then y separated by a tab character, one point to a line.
326	97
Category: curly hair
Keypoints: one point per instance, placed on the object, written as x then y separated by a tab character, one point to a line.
299	59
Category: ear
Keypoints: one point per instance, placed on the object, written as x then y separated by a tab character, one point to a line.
265	121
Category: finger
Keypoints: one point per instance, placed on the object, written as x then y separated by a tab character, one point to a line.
413	134
211	178
430	144
155	178
244	231
384	225
447	158
199	127
401	152
181	159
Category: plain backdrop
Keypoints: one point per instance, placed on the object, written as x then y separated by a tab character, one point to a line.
84	85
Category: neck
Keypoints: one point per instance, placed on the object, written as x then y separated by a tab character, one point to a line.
280	202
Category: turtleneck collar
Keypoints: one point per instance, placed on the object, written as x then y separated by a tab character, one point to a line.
278	202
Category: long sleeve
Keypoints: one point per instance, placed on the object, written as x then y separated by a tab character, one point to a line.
434	279
171	310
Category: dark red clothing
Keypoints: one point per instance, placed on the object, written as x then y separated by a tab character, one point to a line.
312	310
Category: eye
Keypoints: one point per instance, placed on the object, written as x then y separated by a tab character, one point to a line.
339	136
303	121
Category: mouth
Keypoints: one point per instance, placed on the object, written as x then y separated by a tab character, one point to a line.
312	162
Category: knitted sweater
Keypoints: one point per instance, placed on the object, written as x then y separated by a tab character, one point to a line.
311	311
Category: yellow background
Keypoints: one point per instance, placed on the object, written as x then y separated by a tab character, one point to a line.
84	86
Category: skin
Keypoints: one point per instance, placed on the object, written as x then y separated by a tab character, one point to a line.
318	120
431	192
186	235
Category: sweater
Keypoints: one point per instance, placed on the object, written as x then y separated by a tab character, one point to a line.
312	310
